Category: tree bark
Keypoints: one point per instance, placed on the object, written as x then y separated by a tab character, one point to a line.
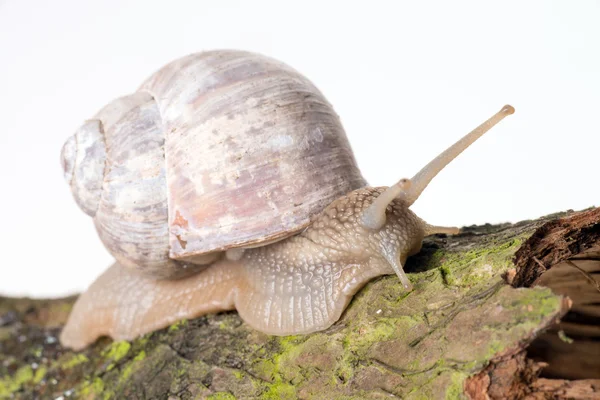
475	326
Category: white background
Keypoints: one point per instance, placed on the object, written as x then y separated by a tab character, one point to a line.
407	79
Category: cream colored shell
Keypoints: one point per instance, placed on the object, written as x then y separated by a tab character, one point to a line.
216	150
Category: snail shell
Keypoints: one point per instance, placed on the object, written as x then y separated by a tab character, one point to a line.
215	151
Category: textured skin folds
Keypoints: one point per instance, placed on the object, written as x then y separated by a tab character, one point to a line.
299	285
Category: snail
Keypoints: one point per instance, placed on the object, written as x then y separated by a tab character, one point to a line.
226	181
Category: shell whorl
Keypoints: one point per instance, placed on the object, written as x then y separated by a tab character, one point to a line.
83	159
83	156
127	196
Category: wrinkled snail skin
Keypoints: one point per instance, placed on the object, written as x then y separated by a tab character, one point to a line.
227	182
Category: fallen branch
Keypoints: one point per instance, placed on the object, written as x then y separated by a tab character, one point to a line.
463	331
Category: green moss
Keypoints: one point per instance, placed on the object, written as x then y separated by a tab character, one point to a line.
238	374
73	361
447	275
221	396
93	387
537	303
530	307
178	325
494	347
117	350
289	342
289	347
128	368
140	356
37	351
282	370
24	376
469	268
9	385
267	369
361	338
228	323
108	394
40	373
344	371
142	341
279	391
456	388
542	301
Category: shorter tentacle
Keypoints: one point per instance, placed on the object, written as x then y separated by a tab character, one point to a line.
374	216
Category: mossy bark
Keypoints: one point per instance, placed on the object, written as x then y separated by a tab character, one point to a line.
461	329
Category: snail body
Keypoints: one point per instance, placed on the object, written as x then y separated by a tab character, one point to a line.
227	182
